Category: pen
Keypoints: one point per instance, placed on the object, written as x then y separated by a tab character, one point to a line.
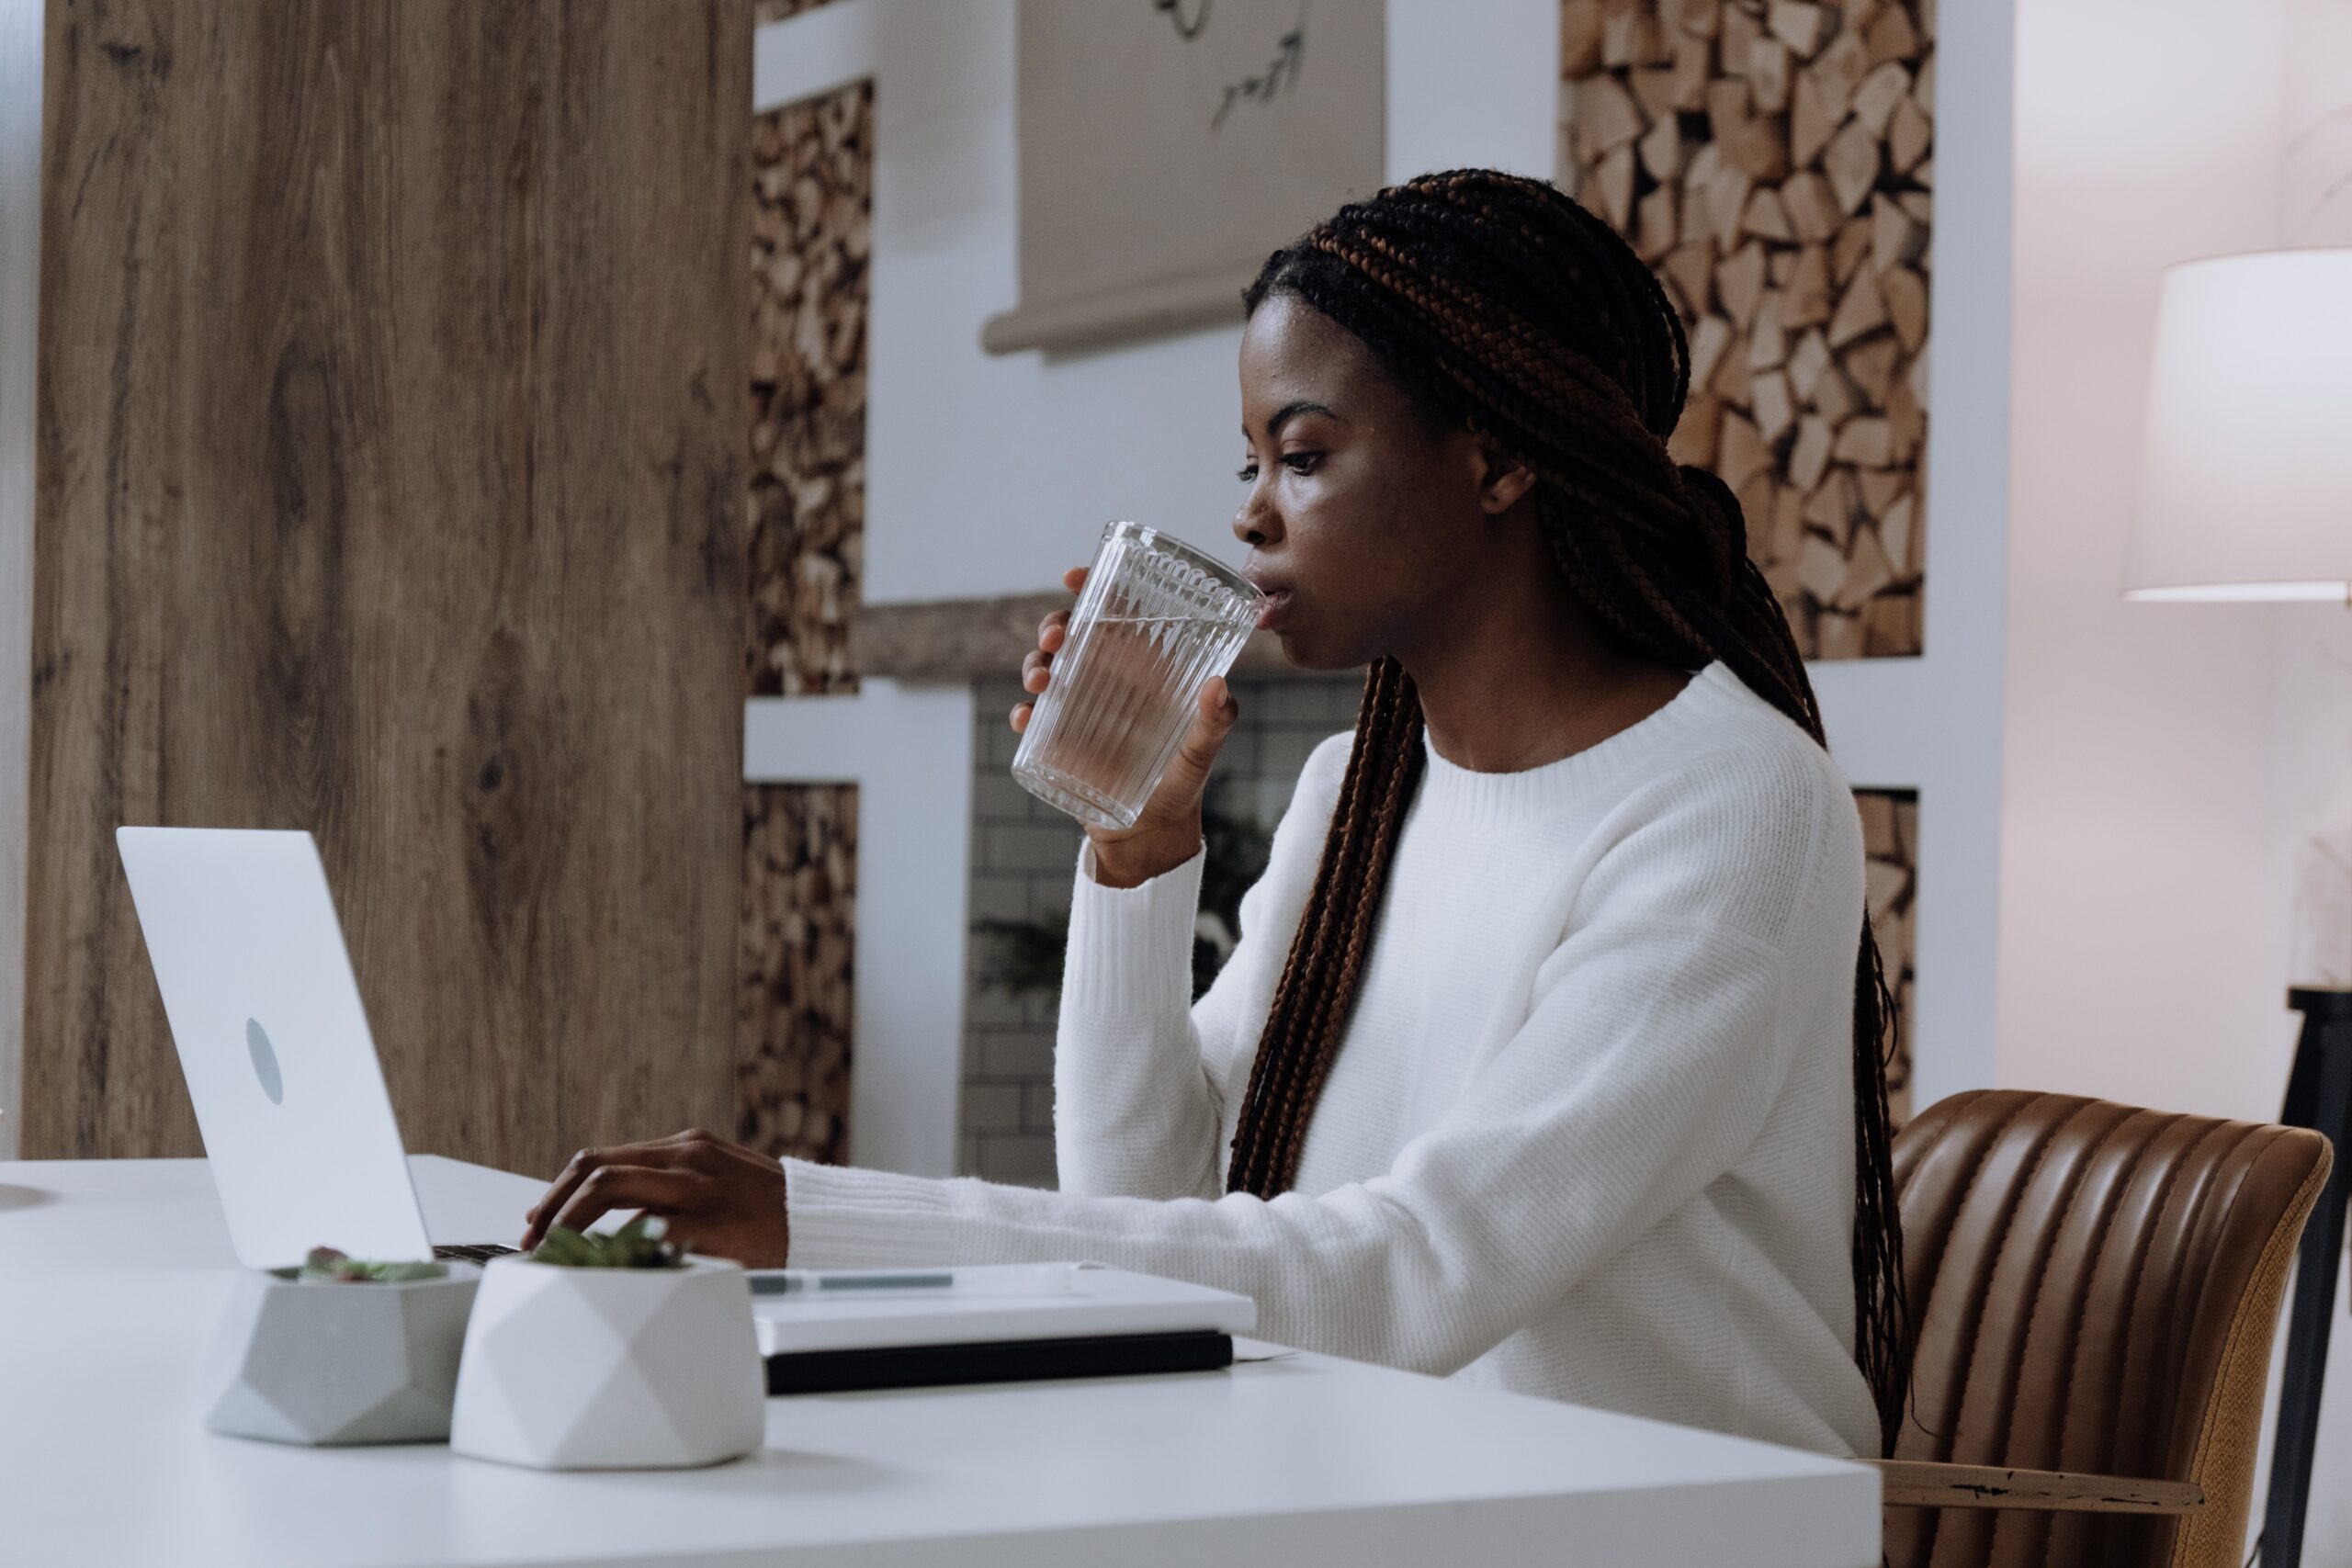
1044	1280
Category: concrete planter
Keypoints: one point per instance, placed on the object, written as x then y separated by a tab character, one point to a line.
338	1363
610	1368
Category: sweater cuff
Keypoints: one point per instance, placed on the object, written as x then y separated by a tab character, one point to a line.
1131	948
842	1217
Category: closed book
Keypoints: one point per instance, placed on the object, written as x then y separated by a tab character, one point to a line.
846	1309
1016	1360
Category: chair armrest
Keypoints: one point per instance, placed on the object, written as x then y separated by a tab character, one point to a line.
1921	1483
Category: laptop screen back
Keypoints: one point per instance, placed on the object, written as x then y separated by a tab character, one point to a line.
273	1041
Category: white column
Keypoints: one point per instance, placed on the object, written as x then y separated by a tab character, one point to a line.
909	750
814	53
20	98
1933	723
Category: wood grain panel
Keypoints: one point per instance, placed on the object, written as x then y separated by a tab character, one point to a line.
389	432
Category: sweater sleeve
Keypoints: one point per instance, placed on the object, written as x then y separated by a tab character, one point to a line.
1143	1075
1649	1058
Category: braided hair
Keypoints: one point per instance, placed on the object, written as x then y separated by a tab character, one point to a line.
1498	304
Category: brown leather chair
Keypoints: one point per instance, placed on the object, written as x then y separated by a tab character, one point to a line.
2094	1289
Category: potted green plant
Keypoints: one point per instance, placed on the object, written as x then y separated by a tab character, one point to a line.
610	1351
340	1351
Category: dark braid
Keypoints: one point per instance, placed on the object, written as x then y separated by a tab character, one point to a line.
1500	305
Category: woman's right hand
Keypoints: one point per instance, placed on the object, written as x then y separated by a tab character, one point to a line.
1168	832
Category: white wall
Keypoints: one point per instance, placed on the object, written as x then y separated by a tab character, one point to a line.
993	475
2310	707
2141	951
21	66
2160	758
1935	723
895	743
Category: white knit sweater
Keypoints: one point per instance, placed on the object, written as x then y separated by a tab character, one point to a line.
1589	1134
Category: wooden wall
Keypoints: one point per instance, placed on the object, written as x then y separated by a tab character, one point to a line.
391	394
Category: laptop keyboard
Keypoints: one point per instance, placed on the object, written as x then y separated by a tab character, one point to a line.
480	1252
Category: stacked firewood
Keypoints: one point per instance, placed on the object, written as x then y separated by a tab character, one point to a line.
792	1059
1890	891
812	210
1772	159
812	173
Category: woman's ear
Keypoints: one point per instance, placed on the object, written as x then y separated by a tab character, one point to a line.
1505	481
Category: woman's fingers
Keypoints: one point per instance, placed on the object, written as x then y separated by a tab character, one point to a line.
575	1170
1052	633
655	1190
582	1165
1036	668
725	1198
1212	717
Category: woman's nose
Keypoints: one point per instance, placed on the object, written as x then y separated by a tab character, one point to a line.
1256	524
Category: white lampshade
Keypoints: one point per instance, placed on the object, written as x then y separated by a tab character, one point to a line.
2245	476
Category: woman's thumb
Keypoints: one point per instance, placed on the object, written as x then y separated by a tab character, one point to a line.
1212	718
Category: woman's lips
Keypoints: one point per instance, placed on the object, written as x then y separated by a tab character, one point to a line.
1273	614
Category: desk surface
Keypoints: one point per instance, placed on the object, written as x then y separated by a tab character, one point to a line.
112	1274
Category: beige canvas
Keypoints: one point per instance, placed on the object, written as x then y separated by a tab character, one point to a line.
1168	145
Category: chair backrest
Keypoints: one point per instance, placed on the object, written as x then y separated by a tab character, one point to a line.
2093	1288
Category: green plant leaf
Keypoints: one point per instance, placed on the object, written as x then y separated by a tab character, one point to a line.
639	1244
327	1264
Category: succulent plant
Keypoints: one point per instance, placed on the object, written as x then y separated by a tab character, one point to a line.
327	1266
637	1245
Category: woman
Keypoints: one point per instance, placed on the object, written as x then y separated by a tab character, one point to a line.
1551	1054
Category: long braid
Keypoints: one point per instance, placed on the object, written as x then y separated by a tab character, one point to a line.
1501	305
1334	935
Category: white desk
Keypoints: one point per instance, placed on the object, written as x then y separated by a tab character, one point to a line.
111	1272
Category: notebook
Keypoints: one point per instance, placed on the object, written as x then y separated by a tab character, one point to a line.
994	1305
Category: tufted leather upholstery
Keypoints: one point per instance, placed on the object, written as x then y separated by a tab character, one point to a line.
2093	1289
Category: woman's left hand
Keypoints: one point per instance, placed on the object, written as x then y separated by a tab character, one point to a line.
717	1198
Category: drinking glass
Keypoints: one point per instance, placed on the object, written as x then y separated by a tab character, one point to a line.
1156	619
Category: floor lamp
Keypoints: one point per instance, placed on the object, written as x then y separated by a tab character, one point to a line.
2246	494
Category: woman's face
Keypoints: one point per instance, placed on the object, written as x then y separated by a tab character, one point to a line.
1366	525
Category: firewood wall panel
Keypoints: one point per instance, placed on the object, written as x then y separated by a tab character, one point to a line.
1774	162
812	173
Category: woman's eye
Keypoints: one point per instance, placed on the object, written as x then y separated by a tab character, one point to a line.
1301	462
1248	473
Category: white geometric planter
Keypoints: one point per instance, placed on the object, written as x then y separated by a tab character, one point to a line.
610	1368
338	1363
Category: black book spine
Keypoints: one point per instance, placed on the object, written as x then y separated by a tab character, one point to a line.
1019	1360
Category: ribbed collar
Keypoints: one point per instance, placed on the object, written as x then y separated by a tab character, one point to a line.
1457	796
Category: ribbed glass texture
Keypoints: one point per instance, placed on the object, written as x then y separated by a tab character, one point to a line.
1156	619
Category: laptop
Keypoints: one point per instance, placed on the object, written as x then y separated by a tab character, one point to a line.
265	1011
